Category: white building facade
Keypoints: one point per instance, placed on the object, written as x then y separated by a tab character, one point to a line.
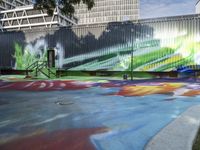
106	11
11	4
26	17
21	14
198	7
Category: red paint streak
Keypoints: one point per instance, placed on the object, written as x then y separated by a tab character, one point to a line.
74	139
107	85
43	85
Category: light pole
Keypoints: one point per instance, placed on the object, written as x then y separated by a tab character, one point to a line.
132	55
132	63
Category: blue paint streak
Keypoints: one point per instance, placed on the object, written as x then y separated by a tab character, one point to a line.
132	121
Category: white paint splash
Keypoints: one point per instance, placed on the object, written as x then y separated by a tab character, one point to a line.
29	84
60	55
51	84
197	58
52	119
37	49
42	85
180	91
5	123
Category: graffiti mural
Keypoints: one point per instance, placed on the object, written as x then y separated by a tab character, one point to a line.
154	45
89	114
36	52
127	88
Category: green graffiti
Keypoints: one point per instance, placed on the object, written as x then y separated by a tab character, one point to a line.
24	58
163	54
18	56
146	44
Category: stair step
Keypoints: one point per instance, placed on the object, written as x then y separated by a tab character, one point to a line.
42	68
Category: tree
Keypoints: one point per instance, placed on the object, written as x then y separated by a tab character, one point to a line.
67	6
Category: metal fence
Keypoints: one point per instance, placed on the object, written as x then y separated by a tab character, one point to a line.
160	44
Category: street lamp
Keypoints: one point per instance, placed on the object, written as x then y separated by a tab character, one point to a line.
132	54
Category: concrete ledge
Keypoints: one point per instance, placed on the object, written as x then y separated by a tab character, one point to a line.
179	134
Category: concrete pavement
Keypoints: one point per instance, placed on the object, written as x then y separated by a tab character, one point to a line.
179	134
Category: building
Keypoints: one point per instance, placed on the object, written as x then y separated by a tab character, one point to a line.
17	15
198	7
108	11
156	45
11	4
20	14
26	17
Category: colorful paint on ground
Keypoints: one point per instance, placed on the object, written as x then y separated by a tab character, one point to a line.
90	115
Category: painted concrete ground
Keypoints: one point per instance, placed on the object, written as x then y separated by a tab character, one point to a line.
89	115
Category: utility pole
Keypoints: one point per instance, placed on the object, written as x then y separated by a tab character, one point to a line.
132	55
132	63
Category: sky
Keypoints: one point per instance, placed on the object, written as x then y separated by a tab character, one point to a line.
161	8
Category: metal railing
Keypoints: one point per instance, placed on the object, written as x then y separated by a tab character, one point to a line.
38	67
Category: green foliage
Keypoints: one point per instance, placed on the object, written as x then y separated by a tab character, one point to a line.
67	5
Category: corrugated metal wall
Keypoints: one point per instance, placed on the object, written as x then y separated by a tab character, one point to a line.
160	44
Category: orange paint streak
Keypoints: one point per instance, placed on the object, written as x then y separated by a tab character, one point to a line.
148	90
192	93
